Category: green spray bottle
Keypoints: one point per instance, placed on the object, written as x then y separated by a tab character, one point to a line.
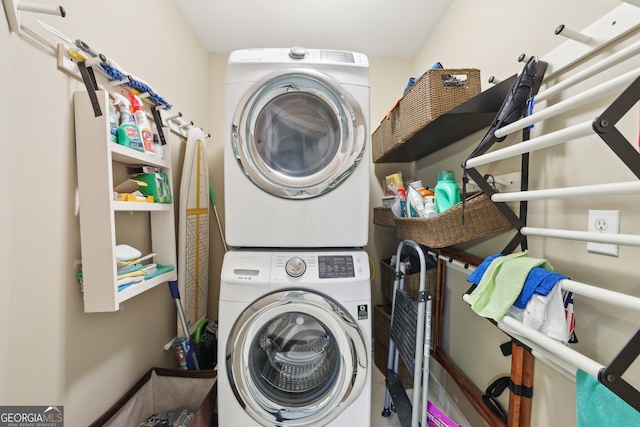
128	133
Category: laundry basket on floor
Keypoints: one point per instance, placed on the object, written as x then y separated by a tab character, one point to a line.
161	390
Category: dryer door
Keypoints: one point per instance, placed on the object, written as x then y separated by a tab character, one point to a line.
297	135
295	358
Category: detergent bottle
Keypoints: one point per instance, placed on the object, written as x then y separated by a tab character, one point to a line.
447	191
128	133
143	123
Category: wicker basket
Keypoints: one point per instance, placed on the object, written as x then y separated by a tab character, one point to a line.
383	216
482	218
429	98
387	136
411	281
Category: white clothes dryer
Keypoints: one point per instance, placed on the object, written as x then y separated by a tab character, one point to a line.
294	339
297	149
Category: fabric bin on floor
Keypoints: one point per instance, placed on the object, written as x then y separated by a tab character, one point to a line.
162	390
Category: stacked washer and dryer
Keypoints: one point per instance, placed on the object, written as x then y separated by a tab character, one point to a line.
294	338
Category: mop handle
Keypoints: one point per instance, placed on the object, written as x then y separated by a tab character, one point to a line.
215	210
175	293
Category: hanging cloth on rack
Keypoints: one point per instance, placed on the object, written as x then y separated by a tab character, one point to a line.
502	283
597	406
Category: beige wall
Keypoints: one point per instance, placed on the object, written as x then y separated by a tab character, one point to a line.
52	353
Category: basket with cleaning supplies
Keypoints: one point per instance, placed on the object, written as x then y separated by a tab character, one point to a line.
481	218
436	92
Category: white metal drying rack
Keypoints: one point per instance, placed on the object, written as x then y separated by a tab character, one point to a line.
557	355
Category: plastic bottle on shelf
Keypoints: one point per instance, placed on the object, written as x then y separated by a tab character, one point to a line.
128	133
399	205
114	120
447	191
143	123
415	204
424	192
430	207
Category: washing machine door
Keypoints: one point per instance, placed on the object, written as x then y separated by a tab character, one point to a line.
296	358
296	135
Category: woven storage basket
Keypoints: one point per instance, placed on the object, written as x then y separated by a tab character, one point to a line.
387	136
429	98
383	216
411	281
377	140
481	218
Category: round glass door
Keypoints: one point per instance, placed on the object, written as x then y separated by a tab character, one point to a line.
295	358
297	136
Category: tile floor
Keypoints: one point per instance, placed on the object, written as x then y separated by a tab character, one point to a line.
377	401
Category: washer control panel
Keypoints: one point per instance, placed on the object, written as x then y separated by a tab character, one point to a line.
295	267
302	267
335	266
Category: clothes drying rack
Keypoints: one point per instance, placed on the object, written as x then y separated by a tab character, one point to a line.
604	32
409	340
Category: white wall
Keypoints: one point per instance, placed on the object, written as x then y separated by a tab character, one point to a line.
52	352
462	39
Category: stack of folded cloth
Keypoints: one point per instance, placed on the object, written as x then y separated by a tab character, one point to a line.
130	268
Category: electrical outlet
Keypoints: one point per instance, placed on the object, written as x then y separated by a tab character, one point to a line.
606	222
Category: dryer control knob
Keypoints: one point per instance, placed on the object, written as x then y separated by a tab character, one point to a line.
298	52
295	267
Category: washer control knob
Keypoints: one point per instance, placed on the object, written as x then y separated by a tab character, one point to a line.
295	267
298	52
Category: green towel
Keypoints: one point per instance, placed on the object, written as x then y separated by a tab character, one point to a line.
597	406
502	282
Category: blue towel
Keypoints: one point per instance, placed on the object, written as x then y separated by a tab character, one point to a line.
597	406
410	82
539	281
477	274
116	74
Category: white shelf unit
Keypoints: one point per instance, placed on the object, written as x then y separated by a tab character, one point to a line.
97	158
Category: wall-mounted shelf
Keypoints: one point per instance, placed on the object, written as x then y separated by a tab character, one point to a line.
104	222
471	116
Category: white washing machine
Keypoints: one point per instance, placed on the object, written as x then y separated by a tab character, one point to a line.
294	339
296	162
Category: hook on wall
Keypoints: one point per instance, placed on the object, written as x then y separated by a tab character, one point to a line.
562	30
13	7
173	117
523	57
494	80
185	125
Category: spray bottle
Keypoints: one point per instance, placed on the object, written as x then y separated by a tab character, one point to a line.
128	133
142	122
